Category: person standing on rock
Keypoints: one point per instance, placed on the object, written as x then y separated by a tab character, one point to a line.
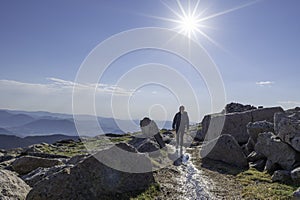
180	124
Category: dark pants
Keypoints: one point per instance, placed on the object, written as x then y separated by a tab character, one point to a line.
179	140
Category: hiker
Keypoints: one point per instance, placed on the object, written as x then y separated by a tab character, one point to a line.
180	123
150	129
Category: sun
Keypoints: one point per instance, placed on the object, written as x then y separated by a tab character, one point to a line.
188	25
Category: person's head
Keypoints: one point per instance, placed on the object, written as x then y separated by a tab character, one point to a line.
181	109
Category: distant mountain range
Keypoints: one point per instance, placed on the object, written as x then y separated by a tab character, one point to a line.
11	141
26	123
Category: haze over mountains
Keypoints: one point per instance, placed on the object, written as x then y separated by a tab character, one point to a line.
23	128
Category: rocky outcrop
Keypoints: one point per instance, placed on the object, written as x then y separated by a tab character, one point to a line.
40	173
276	151
12	187
144	145
5	157
287	127
91	179
26	164
235	124
283	176
237	107
226	149
255	128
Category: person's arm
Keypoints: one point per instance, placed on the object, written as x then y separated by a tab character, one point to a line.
174	121
188	122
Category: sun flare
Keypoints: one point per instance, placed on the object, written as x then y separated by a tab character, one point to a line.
191	19
188	25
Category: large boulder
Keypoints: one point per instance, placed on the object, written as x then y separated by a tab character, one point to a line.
287	127
276	151
26	164
235	124
12	187
92	179
226	149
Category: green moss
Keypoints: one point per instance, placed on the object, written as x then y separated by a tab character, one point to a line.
65	150
152	192
120	139
259	185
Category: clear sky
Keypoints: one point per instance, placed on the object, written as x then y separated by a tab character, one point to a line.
43	43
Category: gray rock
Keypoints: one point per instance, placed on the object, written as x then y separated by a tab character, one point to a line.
167	139
259	164
149	146
46	155
295	174
5	157
199	136
296	194
26	164
237	107
287	127
235	124
226	149
255	128
31	149
276	151
91	179
39	174
249	146
144	145
76	159
254	156
12	187
283	176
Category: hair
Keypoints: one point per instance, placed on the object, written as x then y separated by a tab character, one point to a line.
181	107
145	122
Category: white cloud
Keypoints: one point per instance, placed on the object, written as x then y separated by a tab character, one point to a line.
102	88
55	96
265	83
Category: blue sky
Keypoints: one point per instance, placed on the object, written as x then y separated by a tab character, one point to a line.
43	44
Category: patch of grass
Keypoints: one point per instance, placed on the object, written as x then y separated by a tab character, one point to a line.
259	185
120	139
65	150
152	192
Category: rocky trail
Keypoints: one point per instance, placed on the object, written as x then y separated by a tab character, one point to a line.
194	185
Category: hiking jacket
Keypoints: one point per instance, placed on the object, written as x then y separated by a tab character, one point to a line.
181	121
